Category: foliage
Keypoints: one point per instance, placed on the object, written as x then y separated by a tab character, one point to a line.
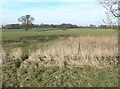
85	76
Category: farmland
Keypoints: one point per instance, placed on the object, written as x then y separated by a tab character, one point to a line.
19	37
17	33
59	58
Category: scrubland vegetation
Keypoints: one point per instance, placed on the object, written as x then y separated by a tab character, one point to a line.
73	59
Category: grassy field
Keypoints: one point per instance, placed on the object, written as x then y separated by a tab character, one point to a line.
18	33
57	58
31	39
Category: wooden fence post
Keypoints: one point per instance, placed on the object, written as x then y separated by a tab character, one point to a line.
78	48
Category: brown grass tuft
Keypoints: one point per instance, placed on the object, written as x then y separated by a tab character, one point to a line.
16	53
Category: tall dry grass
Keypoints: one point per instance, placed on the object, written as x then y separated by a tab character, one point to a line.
1	65
78	51
75	51
16	53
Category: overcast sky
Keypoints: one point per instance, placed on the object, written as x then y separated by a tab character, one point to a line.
80	12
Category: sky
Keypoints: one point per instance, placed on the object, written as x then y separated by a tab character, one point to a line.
79	12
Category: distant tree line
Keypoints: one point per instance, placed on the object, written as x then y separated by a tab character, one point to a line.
108	26
61	26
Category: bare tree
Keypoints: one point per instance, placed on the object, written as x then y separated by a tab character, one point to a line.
112	10
112	6
26	21
109	20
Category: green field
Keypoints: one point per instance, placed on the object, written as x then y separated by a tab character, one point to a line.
18	33
48	57
29	40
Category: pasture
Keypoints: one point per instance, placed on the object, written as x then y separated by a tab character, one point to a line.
20	38
15	34
60	58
